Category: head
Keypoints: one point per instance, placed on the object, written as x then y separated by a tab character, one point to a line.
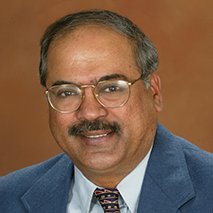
103	137
146	56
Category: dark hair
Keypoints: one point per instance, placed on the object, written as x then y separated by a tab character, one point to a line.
145	51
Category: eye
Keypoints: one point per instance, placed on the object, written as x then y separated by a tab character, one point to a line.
65	93
110	88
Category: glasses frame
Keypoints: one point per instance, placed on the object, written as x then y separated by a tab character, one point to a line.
93	86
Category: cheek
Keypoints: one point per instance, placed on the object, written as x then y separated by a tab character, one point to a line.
58	124
140	112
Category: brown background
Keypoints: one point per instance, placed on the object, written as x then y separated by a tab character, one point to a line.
181	29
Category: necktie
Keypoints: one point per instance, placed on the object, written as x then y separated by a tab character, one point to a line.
108	199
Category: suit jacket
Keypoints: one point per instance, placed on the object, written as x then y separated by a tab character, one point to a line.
178	179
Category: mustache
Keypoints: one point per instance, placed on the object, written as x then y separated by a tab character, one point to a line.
85	126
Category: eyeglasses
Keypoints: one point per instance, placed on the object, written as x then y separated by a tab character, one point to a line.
67	98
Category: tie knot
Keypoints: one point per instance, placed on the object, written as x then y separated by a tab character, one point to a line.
108	199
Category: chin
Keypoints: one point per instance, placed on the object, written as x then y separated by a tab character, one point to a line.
100	164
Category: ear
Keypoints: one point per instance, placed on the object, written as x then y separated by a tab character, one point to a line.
155	87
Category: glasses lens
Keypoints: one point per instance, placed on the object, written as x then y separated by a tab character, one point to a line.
114	93
65	98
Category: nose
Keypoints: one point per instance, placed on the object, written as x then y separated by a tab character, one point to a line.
90	108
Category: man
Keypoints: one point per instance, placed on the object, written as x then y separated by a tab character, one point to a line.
104	97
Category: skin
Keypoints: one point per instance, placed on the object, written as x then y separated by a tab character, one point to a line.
83	57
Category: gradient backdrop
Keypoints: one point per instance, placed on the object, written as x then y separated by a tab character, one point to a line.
181	29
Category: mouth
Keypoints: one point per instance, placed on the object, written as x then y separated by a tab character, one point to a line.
95	134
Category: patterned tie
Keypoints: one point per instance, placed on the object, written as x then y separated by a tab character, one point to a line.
108	199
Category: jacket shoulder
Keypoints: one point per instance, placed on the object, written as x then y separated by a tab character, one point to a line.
195	157
15	183
200	169
198	160
187	163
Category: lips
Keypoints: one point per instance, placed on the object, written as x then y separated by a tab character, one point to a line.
95	134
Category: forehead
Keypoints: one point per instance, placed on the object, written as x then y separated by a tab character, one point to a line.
90	52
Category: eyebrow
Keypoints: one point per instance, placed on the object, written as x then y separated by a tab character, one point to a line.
103	78
113	76
61	82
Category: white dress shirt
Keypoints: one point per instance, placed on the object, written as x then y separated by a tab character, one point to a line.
82	200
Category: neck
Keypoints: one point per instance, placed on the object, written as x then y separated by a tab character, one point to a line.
106	181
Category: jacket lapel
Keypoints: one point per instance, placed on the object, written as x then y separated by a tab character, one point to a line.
167	184
50	192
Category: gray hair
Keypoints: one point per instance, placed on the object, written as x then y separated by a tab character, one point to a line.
145	52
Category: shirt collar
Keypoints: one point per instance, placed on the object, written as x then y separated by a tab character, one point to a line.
84	189
129	187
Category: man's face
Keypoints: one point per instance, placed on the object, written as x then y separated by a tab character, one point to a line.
84	57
